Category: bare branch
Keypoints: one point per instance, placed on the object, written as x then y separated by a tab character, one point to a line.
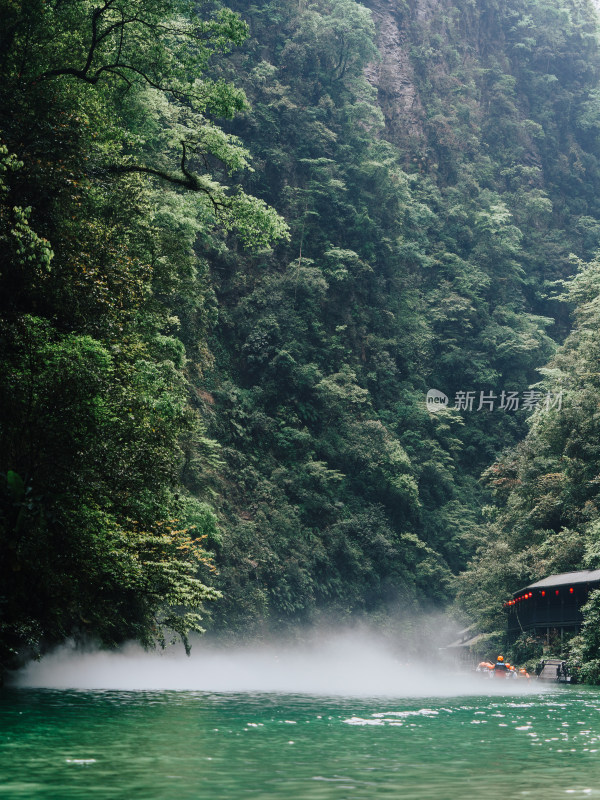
189	181
184	169
120	50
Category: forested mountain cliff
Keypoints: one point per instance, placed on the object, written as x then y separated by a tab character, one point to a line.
434	188
238	248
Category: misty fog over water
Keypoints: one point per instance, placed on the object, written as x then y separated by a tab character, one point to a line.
352	664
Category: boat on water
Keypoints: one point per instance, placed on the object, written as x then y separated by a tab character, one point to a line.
501	670
553	670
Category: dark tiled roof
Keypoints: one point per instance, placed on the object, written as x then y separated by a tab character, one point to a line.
565	579
463	642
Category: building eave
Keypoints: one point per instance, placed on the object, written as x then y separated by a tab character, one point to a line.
563	579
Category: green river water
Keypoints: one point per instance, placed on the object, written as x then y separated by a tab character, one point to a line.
179	745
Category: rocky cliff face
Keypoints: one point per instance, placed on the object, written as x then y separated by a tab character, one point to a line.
394	76
446	69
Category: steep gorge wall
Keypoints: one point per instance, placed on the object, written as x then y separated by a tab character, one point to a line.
394	76
416	262
498	97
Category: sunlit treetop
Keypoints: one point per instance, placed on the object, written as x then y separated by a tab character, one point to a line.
149	53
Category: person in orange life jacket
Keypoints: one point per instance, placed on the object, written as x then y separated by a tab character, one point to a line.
500	668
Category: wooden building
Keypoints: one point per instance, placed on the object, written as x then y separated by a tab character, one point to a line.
552	604
467	650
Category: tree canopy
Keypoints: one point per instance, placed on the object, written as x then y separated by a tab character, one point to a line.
238	245
108	123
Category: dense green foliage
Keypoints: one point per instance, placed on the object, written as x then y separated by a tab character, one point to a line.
546	516
190	381
420	256
100	294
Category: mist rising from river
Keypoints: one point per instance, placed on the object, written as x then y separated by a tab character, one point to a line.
348	664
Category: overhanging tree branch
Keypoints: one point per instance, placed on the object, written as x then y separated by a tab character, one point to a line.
116	38
189	181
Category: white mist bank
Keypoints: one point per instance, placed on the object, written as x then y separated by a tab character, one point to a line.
345	665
